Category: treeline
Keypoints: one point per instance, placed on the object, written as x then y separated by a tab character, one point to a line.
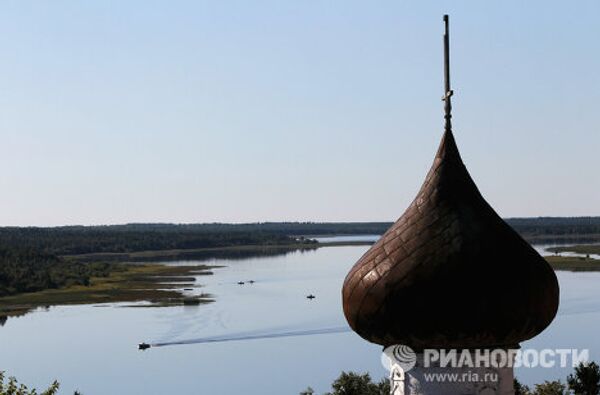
70	240
30	257
30	271
547	226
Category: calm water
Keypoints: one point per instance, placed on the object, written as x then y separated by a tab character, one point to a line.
331	239
94	348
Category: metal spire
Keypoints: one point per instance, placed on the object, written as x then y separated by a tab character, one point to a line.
447	91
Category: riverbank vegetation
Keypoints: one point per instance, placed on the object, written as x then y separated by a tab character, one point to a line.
558	229
72	240
573	264
34	259
579	249
77	258
159	285
75	240
31	271
194	254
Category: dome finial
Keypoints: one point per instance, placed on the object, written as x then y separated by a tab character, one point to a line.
450	273
447	91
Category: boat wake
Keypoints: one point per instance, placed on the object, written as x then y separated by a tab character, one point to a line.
254	336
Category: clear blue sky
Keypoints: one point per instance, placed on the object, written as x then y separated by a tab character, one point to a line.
236	111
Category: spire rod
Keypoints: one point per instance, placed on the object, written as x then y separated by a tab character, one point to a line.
447	91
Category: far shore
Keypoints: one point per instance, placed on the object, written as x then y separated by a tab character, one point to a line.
199	253
140	277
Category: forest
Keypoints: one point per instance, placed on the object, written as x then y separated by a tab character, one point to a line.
71	240
28	271
548	226
33	258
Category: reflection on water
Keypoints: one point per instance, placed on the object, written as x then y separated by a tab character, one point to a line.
543	250
95	349
241	252
236	254
348	238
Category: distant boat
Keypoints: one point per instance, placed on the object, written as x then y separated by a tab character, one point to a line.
240	282
311	296
191	301
143	346
251	281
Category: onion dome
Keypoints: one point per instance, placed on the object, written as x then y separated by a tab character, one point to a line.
450	273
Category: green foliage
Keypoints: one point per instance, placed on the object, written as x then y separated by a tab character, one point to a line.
556	225
521	389
384	386
358	384
25	270
12	387
350	383
550	388
73	240
586	380
30	257
546	388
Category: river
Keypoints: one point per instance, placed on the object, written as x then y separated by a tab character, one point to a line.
93	348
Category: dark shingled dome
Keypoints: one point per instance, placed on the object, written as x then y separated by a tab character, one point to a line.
450	273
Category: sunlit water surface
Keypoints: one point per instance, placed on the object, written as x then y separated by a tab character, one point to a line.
94	348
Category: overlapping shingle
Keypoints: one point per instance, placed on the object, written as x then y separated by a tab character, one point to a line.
450	273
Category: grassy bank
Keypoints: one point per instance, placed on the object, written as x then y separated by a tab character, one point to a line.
580	249
192	253
158	284
125	280
573	264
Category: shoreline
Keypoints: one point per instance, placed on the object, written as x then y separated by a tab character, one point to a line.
141	277
159	285
185	254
